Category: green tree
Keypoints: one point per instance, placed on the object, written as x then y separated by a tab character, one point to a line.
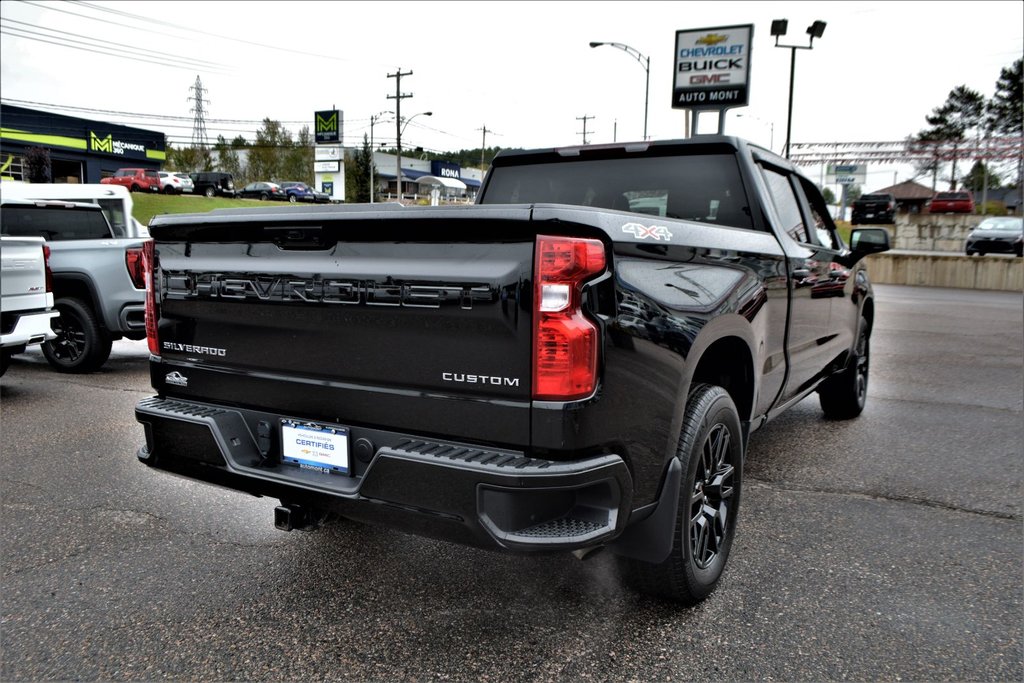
189	159
828	195
298	159
975	179
227	158
266	156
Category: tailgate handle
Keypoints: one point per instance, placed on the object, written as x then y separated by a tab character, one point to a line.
299	237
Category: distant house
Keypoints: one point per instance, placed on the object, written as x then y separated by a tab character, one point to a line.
910	196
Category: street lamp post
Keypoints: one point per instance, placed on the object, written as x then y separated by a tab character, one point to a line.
815	30
398	147
645	62
373	119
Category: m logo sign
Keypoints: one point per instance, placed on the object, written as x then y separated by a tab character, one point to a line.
101	144
328	127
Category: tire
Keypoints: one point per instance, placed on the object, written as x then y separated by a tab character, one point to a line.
263	197
169	189
711	452
843	395
209	192
5	361
136	188
969	252
81	344
292	198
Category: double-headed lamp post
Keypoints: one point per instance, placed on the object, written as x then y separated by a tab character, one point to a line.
645	62
398	149
815	30
373	119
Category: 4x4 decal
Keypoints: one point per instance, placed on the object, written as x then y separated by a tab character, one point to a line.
656	232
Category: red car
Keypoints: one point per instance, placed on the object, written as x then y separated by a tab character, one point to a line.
952	202
135	179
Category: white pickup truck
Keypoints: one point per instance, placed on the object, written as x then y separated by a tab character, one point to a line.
26	296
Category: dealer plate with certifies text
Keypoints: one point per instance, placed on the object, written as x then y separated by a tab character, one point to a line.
314	446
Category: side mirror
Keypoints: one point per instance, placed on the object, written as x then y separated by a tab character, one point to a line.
864	241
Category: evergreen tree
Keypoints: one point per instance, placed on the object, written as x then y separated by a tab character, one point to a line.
1006	109
359	171
962	113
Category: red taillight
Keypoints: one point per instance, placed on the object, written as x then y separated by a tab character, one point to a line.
149	270
565	341
49	273
133	260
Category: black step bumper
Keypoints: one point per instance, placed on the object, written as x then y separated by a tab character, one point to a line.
459	492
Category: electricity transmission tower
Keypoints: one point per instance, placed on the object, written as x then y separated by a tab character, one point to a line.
199	122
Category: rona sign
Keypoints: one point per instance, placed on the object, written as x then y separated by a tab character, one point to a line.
327	127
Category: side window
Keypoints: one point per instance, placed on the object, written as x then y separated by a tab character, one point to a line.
786	204
823	230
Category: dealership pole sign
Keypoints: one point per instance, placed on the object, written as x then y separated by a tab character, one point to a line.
327	127
712	68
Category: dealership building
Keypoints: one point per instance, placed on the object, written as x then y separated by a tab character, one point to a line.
81	150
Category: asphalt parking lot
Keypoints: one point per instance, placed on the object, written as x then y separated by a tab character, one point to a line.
884	548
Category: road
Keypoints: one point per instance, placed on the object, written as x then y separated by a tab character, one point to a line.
884	548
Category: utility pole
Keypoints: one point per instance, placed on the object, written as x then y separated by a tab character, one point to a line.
584	119
483	144
398	97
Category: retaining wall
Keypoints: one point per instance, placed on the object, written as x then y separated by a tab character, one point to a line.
1005	273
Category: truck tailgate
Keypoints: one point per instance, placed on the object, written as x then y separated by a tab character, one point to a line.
433	336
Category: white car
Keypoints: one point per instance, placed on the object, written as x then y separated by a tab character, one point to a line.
170	183
187	186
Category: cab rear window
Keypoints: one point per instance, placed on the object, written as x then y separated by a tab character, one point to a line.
54	224
706	188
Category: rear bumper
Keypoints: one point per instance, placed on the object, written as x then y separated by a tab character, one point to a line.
28	328
476	495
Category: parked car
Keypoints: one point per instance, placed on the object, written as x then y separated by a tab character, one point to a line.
301	192
997	234
263	191
187	186
135	179
952	202
170	183
213	183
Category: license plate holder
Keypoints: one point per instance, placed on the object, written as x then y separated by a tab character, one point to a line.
315	446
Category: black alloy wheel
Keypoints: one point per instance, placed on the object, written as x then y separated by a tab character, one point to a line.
711	454
81	344
844	395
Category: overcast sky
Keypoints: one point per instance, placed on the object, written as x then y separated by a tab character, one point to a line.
523	70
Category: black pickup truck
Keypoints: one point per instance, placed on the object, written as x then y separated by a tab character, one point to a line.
575	363
873	208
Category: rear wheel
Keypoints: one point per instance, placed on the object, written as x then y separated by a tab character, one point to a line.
81	344
843	396
292	198
711	452
264	196
135	188
209	192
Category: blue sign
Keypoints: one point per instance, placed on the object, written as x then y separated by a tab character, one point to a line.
445	169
